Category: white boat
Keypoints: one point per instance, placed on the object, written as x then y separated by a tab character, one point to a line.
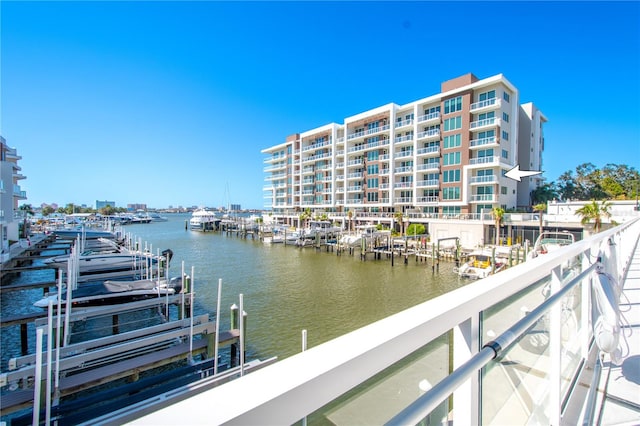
155	217
90	263
203	220
367	233
550	241
114	292
283	235
480	264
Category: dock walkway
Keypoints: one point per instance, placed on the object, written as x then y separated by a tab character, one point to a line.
619	390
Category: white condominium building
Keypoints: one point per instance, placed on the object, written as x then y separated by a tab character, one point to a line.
447	153
10	195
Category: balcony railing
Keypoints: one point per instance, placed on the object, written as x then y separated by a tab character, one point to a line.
487	122
405	138
404	123
428	166
402	185
482	142
493	102
428	183
429	199
483	198
404	154
484	179
404	169
484	160
430	150
429	117
403	200
432	133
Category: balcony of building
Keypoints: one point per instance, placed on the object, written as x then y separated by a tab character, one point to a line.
354	201
383	186
275	167
483	198
403	200
477	180
428	166
404	123
316	145
486	105
355	188
429	134
307	169
404	154
430	183
405	184
355	175
491	141
432	199
485	161
429	151
276	176
433	117
384	157
274	158
403	170
403	140
486	123
355	162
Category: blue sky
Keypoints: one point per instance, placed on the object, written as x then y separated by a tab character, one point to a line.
170	103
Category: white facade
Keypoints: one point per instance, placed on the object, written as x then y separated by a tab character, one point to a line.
446	153
10	194
531	135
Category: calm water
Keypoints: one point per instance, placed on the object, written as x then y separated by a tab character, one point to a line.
286	289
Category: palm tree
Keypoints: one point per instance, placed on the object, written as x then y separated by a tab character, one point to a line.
350	216
498	214
304	216
26	210
596	212
399	218
540	208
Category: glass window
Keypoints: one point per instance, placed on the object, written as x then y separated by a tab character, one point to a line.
453	105
505	154
503	190
452	141
505	117
452	193
453	123
505	96
505	135
487	95
451	158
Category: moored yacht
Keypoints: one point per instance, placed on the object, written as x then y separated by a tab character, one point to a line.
203	220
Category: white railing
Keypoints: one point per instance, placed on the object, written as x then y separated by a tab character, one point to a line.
486	122
483	104
428	150
428	183
405	138
412	351
484	179
428	117
483	141
428	166
483	160
404	123
429	134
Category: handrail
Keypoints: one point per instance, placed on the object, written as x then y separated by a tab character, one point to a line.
429	401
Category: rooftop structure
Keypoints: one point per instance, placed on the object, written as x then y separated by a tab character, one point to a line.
446	153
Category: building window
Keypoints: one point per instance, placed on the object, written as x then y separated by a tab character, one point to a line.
487	95
453	123
372	156
505	96
505	117
453	105
450	210
452	141
486	115
505	135
451	176
372	197
451	158
372	169
503	190
452	193
505	154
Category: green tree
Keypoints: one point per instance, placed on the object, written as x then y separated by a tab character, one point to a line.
350	216
416	229
498	214
541	208
305	216
595	212
27	211
399	218
47	210
544	194
107	210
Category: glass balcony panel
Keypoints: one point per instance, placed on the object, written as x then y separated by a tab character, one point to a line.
381	397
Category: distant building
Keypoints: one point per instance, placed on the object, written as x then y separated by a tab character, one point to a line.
103	204
443	154
10	195
235	207
136	207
